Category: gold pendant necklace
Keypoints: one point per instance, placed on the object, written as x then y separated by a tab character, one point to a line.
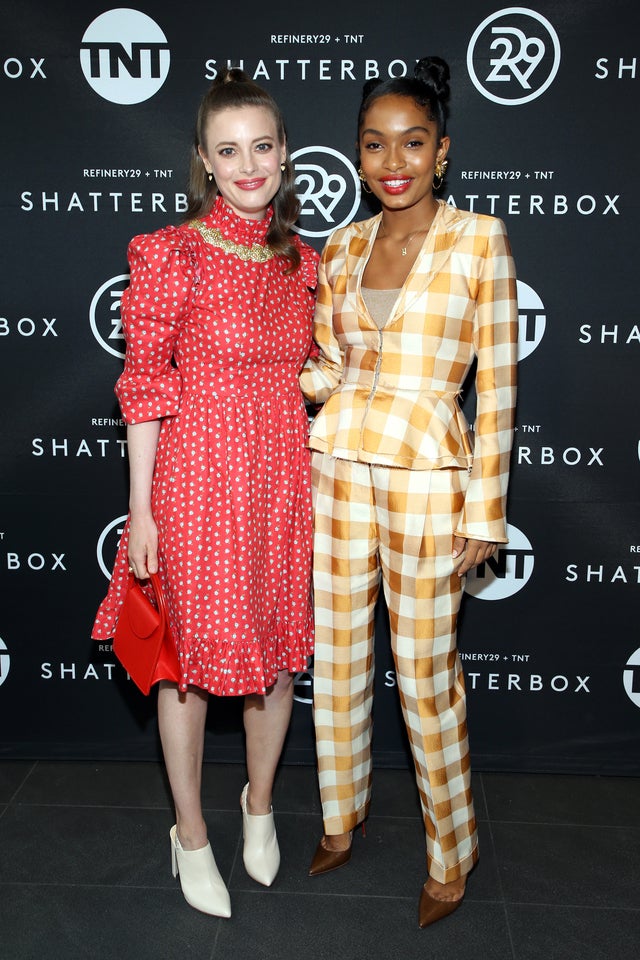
404	247
403	250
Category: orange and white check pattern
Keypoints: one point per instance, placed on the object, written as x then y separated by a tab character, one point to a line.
396	474
372	522
392	394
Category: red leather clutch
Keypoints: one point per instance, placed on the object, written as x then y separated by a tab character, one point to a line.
142	642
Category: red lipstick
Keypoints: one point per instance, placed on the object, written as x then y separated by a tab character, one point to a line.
396	185
254	184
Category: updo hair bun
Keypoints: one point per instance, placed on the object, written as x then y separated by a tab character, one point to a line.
231	75
370	86
428	88
434	73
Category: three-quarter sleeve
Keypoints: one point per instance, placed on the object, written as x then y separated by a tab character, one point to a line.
495	339
154	306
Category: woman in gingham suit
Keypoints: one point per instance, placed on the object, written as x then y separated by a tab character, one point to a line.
407	301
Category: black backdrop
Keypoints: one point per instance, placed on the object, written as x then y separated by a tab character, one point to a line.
97	111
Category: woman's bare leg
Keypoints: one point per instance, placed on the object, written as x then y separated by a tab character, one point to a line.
181	720
266	721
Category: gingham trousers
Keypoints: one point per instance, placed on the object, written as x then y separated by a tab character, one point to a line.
374	522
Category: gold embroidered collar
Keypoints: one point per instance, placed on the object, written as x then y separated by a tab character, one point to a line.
257	253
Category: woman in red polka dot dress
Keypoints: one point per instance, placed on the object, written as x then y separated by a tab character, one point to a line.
217	320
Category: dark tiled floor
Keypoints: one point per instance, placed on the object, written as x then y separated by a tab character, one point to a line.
85	871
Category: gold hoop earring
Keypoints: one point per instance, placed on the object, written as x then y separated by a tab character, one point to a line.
363	180
439	172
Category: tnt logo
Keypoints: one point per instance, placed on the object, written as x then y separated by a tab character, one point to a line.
532	320
513	56
5	662
108	544
631	677
104	315
328	190
506	572
124	56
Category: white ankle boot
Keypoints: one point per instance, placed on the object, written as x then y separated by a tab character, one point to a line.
201	883
261	853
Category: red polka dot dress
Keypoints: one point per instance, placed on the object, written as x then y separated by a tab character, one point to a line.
216	337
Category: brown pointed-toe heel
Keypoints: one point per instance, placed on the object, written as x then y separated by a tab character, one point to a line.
325	860
431	910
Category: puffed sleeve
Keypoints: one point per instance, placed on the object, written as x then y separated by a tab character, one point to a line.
322	372
308	265
495	340
163	268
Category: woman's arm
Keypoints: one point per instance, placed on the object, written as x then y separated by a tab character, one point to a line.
495	340
153	309
322	372
142	440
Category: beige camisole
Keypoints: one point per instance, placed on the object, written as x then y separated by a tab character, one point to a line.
379	303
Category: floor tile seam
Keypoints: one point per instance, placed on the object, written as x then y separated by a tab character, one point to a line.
236	855
316	815
218	931
373	817
546	905
23	781
562	825
409	898
239	890
606	779
166	885
279	814
498	874
20	805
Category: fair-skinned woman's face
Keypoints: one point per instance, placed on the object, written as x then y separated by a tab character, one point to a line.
399	148
244	154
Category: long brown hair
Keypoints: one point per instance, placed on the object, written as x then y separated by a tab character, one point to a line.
233	89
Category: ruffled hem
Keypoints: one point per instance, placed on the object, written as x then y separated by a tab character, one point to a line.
105	625
236	669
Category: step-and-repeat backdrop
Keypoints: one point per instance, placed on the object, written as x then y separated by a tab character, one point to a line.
98	105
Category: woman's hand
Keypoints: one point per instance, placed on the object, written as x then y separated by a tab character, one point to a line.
142	440
475	552
143	546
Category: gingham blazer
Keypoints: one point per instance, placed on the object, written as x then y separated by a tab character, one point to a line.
391	395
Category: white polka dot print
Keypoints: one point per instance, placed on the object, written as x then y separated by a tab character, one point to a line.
214	348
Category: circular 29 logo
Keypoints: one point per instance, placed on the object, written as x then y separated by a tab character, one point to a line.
124	56
328	189
108	544
104	315
513	56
